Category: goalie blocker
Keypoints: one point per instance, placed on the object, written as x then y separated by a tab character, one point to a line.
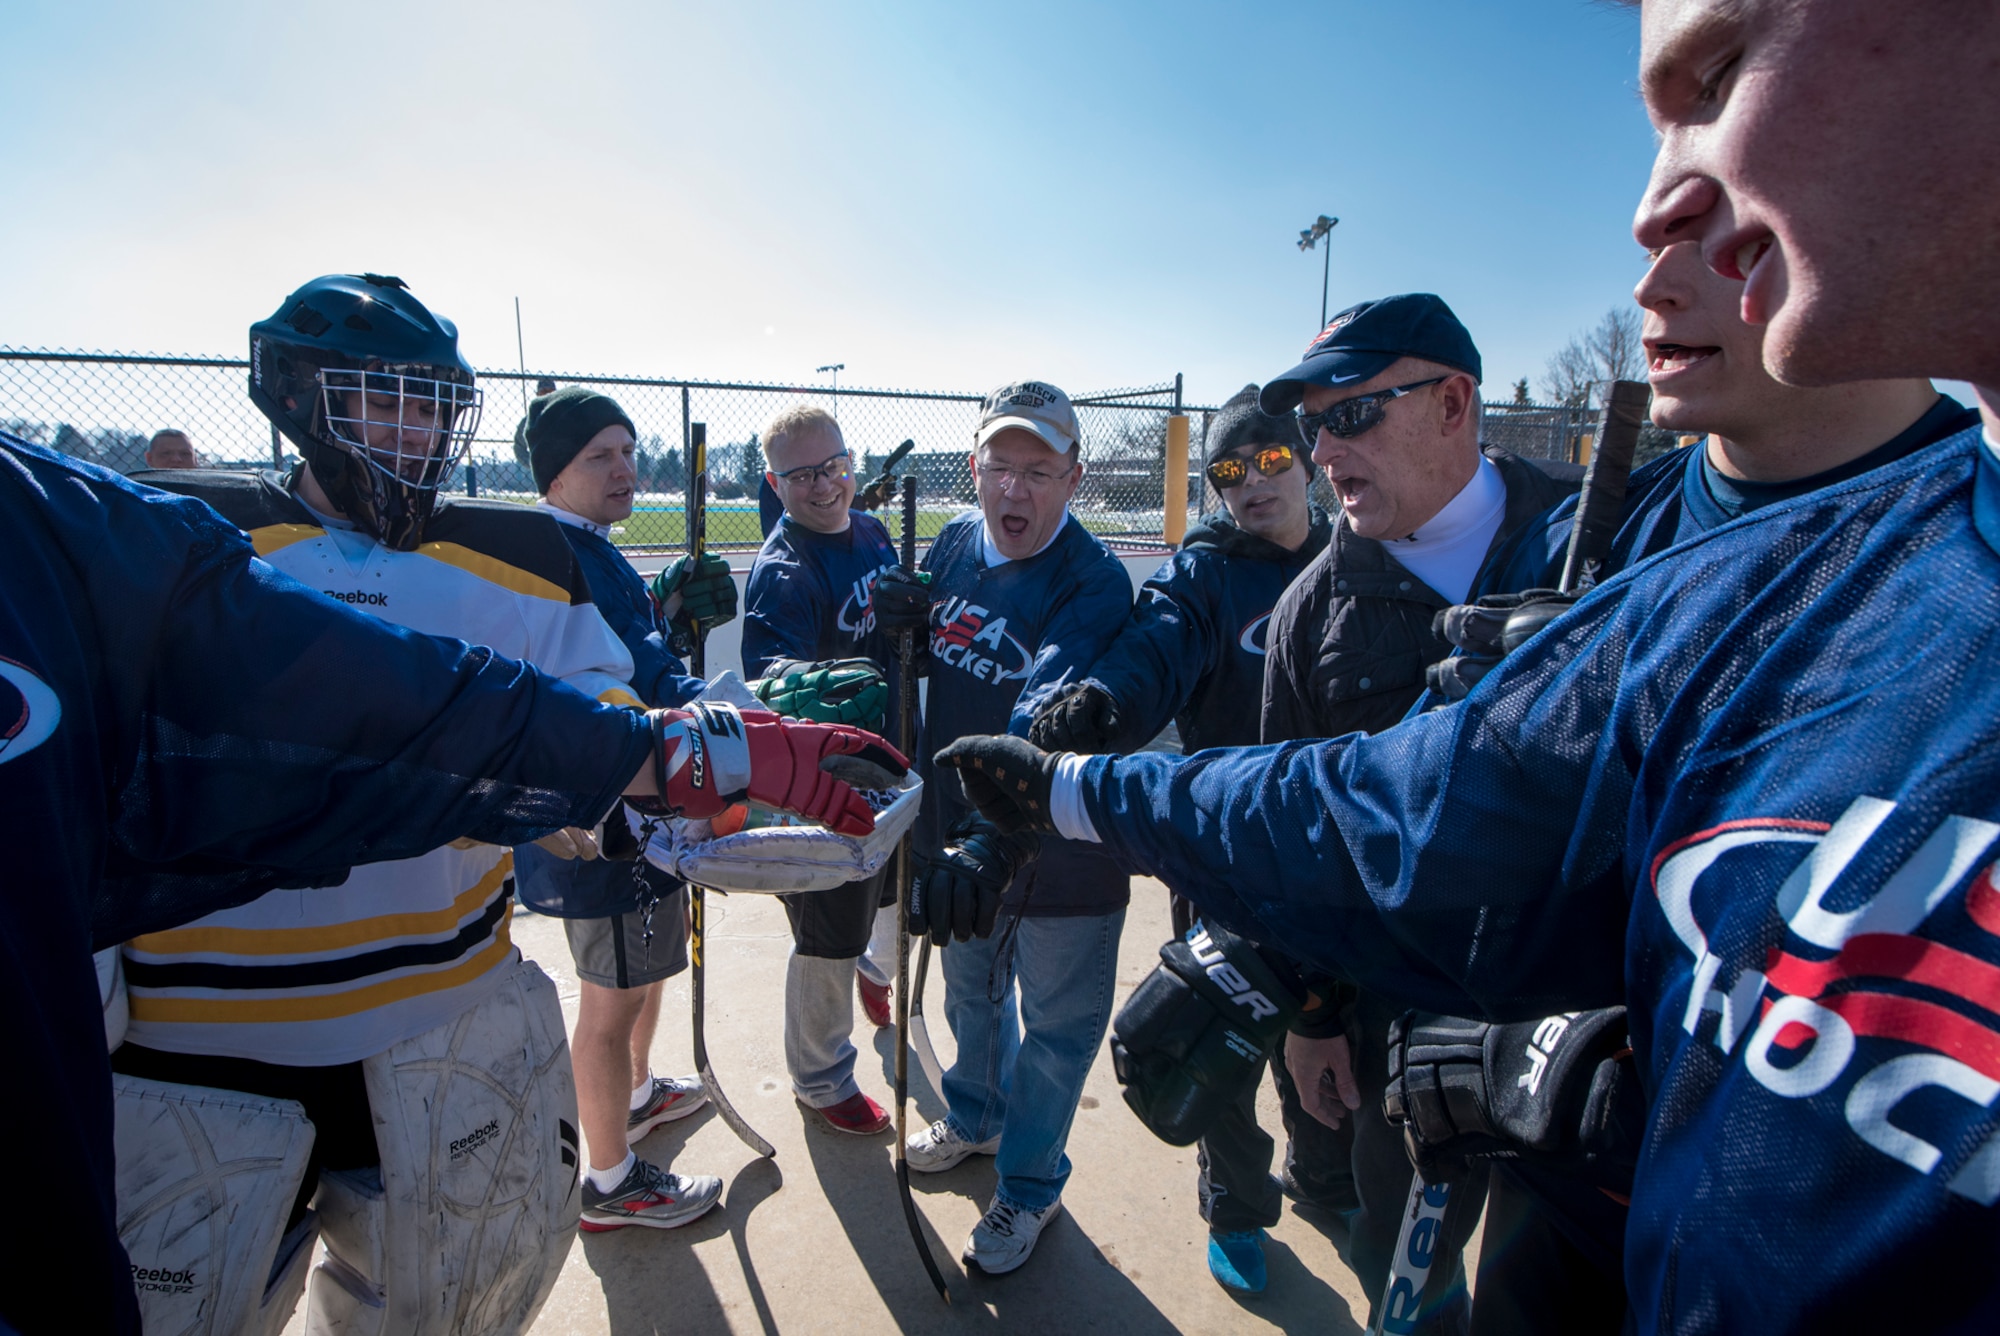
1197	1031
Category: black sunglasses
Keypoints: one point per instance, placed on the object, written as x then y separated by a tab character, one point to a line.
1230	470
1354	417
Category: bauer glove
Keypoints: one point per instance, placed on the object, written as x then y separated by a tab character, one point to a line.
1562	1090
901	600
710	755
878	493
835	691
1486	632
957	892
1082	717
706	591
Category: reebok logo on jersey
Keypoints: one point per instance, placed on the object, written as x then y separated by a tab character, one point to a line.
969	638
474	1139
1842	962
163	1280
29	711
1227	977
1254	635
358	598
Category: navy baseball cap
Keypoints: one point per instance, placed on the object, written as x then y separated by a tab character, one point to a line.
1364	341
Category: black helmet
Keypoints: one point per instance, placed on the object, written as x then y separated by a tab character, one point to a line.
370	386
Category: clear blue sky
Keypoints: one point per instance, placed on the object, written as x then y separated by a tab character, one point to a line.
940	196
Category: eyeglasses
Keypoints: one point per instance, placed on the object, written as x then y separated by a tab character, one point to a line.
1357	416
1035	480
1230	470
834	468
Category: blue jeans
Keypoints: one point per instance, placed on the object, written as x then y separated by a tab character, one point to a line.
1022	1060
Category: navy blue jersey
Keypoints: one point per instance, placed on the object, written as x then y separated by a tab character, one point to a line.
1003	640
185	730
1671	499
1751	789
658	678
809	596
1193	650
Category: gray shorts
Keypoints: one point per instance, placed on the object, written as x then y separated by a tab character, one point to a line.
614	953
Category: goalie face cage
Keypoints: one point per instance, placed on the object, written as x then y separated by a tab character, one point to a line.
407	426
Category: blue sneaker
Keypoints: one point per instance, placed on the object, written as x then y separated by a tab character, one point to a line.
1236	1260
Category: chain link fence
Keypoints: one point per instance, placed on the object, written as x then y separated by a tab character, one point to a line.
104	407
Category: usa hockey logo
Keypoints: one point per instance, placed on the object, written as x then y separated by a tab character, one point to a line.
971	639
1255	632
29	711
1338	322
1843	971
857	613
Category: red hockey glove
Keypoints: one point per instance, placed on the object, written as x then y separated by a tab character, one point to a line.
708	756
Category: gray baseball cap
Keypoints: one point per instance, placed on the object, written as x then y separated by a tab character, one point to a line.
1031	405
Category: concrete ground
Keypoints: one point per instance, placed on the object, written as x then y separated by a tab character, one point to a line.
814	1241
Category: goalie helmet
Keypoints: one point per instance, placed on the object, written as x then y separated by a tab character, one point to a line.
371	387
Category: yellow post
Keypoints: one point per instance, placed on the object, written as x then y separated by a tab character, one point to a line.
1692	440
1583	447
1173	527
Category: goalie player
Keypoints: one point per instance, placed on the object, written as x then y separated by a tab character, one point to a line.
429	1058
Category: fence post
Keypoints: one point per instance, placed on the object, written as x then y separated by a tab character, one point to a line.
277	449
1173	523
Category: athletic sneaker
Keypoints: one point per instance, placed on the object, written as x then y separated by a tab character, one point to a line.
1236	1260
1002	1240
857	1115
939	1147
651	1197
874	999
673	1097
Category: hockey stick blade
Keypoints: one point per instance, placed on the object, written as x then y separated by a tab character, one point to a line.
920	1030
697	904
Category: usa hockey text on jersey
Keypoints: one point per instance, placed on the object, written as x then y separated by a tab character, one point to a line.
972	640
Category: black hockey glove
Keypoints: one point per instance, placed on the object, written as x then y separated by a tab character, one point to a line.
878	493
1083	717
1196	1032
958	891
1562	1091
835	691
1487	631
1008	779
901	601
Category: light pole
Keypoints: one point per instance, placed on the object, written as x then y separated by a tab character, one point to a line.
836	368
1312	236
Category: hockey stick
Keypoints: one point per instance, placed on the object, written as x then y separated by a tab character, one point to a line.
920	1030
1590	535
906	727
697	545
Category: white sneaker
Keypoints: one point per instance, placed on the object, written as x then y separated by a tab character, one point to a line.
1002	1240
938	1148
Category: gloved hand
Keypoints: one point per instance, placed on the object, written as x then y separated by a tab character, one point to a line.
879	492
710	755
1487	631
1323	1072
901	600
836	691
1082	717
691	589
957	891
1008	779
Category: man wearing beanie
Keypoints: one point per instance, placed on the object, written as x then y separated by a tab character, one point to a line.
581	447
1390	391
1193	652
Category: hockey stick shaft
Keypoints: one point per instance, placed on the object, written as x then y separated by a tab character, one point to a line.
906	727
1416	1248
697	546
1599	508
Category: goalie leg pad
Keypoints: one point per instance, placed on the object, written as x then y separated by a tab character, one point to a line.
1197	1031
206	1180
466	1226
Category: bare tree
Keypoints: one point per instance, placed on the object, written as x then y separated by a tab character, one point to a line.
1610	350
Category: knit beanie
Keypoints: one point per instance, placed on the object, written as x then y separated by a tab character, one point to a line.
559	425
1241	422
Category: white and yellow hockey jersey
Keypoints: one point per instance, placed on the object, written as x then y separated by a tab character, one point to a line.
333	975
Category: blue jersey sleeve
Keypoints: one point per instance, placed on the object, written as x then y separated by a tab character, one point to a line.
278	738
1443	862
781	617
658	676
1076	634
1168	643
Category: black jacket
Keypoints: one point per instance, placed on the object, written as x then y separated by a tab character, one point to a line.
1350	639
